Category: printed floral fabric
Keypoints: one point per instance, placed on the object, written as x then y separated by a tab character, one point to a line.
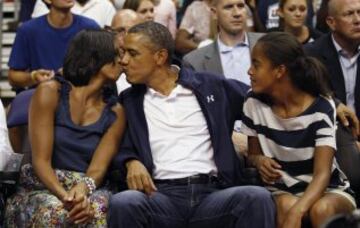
35	206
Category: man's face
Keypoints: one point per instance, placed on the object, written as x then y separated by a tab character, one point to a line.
345	22
121	26
61	4
139	60
231	16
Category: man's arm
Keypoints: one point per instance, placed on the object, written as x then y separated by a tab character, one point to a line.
236	92
19	78
347	118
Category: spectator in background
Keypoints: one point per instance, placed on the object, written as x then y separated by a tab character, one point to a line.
293	15
268	13
339	52
165	14
194	27
290	119
145	8
74	133
123	20
101	11
40	44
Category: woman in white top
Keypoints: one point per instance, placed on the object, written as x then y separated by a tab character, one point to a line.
289	117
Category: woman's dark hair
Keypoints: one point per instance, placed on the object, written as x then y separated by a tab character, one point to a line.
88	52
132	4
306	73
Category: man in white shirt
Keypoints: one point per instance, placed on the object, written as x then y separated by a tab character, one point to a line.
229	54
178	158
101	11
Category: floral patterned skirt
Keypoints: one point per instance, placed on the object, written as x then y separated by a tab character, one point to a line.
35	206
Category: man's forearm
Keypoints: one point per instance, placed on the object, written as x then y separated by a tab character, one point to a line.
19	78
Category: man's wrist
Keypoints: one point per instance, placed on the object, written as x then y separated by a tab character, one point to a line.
128	163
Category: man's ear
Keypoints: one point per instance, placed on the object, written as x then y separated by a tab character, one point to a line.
161	57
213	12
330	21
280	13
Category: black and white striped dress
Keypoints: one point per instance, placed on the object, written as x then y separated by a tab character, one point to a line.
292	141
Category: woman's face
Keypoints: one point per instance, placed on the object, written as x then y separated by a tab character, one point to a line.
294	13
146	10
113	70
263	75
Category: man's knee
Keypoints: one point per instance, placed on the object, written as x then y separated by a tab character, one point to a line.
253	197
253	193
126	199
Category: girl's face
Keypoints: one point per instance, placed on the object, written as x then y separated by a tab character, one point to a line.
294	13
146	10
263	75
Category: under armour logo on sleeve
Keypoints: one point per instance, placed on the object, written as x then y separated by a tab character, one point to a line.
210	98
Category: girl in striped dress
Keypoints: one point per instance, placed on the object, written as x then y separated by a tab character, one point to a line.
289	117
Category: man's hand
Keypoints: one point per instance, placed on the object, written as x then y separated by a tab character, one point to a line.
348	118
268	169
138	178
41	75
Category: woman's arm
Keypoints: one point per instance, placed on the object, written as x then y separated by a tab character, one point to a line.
41	132
106	150
107	147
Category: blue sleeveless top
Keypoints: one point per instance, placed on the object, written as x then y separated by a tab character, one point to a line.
74	145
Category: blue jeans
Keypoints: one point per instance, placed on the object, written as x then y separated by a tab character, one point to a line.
193	205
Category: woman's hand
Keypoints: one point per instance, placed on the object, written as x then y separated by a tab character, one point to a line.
269	169
78	204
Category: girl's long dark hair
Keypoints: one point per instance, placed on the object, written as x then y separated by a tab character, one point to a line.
306	73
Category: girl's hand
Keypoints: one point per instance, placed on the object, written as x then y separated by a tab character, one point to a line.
269	169
293	219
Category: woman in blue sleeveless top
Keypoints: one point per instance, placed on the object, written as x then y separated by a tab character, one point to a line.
74	133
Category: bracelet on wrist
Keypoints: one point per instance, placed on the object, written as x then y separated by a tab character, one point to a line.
90	184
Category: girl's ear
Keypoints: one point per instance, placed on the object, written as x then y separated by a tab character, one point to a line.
281	71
